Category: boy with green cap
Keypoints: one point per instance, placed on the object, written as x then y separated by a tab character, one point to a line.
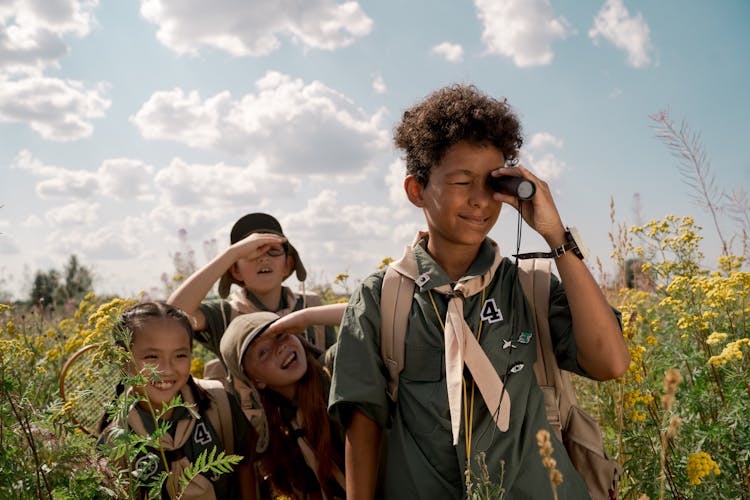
467	388
258	260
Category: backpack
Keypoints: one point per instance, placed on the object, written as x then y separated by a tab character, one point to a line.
219	412
578	431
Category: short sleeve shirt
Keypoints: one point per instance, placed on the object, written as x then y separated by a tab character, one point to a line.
421	461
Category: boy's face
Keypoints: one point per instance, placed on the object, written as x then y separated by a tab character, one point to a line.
161	349
276	361
457	200
265	273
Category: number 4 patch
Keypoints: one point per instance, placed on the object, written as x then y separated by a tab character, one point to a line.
201	435
490	311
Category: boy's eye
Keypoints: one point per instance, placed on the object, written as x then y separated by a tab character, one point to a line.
275	251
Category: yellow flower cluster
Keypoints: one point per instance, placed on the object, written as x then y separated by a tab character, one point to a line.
700	465
732	351
635	370
633	398
715	338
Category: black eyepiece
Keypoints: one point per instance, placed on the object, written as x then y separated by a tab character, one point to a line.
521	188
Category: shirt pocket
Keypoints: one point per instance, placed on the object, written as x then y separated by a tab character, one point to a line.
423	364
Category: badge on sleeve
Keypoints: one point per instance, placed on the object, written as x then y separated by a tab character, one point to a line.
524	338
508	344
517	367
422	279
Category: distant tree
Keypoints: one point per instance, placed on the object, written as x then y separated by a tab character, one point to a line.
44	287
52	288
78	281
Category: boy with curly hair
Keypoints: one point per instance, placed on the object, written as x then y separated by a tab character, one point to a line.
467	389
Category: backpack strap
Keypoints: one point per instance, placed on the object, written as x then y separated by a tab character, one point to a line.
534	275
219	413
396	296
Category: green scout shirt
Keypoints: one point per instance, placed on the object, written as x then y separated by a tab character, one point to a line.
204	437
421	461
216	322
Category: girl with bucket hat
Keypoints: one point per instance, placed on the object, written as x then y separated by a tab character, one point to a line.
301	449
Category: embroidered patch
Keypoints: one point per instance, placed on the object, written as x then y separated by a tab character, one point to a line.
508	344
517	367
201	434
146	466
422	279
524	338
490	312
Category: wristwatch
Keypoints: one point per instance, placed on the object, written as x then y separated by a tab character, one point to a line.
573	243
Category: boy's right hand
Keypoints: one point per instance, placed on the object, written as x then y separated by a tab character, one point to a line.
255	244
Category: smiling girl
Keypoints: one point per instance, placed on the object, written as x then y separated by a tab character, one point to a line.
159	338
303	458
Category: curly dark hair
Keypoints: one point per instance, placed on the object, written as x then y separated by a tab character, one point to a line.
450	115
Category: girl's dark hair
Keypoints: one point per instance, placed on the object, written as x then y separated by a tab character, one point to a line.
130	322
312	402
136	316
451	115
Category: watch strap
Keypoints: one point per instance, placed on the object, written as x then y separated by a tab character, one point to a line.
569	245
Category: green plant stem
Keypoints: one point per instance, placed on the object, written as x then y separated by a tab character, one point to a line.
29	435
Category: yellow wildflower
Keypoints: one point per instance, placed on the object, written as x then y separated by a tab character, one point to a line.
700	465
732	351
715	338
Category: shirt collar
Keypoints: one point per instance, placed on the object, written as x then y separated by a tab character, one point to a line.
431	275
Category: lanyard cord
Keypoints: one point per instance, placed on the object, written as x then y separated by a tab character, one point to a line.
468	413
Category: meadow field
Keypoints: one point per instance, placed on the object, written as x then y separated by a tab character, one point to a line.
676	422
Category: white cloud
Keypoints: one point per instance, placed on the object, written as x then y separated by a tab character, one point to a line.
31	32
540	160
452	52
330	233
126	179
194	185
545	139
330	135
107	242
59	110
253	28
378	85
629	33
522	30
73	214
120	178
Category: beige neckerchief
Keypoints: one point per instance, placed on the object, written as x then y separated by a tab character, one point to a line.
200	487
462	348
241	304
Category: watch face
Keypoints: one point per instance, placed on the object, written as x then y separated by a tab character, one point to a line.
584	252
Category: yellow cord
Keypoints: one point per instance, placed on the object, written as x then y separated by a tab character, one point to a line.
468	414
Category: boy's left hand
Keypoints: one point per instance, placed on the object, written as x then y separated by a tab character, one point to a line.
540	211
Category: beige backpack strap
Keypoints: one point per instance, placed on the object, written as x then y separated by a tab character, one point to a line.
219	413
534	275
396	296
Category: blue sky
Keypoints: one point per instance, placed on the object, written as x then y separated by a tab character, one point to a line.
123	122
